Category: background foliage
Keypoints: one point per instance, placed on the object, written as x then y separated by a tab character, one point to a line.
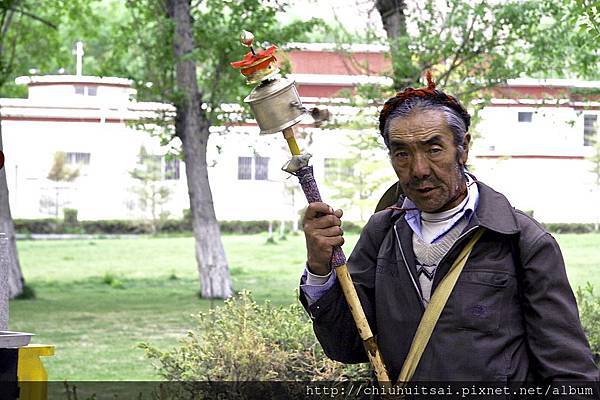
247	341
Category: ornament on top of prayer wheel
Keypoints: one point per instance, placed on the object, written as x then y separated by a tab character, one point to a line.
275	102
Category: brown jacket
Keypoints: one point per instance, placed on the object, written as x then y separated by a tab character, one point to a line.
511	317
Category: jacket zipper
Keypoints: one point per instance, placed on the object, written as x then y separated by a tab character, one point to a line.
440	263
406	266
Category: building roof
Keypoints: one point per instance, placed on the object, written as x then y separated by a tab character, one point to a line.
72	79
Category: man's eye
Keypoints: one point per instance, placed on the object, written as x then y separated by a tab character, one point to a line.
435	150
401	154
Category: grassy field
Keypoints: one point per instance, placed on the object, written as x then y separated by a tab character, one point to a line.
97	299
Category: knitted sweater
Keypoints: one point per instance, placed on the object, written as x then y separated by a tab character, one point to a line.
429	255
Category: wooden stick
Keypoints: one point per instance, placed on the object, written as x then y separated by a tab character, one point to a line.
288	134
364	330
339	263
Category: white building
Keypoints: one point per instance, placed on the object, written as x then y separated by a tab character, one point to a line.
87	118
532	149
536	141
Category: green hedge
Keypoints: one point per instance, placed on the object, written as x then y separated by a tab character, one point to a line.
57	226
569	228
47	225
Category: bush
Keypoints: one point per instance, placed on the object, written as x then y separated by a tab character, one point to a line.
568	228
70	216
117	227
245	341
187	219
589	312
175	226
48	225
244	226
112	281
351	227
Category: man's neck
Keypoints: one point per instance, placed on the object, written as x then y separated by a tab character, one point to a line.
456	200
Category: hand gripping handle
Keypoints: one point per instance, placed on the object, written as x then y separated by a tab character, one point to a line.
311	191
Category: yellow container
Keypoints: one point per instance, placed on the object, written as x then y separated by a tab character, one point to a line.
32	373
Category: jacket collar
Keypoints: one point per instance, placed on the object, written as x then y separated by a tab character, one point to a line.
493	211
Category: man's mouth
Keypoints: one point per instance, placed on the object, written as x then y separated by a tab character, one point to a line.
426	189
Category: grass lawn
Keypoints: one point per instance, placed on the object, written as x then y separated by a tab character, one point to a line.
96	326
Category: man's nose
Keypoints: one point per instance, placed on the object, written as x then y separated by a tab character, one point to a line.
420	166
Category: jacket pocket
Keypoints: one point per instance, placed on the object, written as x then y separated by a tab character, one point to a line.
479	297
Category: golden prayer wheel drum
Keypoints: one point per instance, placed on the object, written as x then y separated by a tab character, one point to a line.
276	105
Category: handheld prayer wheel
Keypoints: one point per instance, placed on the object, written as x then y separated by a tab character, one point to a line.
277	107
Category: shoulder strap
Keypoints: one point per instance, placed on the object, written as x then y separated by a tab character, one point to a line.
434	310
390	197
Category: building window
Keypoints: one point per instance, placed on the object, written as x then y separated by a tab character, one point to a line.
261	168
86	90
337	169
525	116
244	168
172	169
590	129
77	158
253	168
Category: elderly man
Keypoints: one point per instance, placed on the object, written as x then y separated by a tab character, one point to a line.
511	315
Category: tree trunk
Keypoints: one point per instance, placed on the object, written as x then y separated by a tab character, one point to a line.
15	277
192	128
281	229
394	22
392	16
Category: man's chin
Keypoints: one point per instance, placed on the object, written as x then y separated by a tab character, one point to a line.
425	205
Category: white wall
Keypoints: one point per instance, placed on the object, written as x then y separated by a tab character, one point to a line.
556	182
557	189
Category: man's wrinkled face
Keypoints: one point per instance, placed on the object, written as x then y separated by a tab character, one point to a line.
426	160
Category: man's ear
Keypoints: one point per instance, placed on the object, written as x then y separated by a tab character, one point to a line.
465	153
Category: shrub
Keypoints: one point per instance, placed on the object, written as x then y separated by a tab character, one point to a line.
245	341
568	228
116	227
589	311
70	216
168	226
244	226
175	226
187	219
351	227
112	281
48	225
